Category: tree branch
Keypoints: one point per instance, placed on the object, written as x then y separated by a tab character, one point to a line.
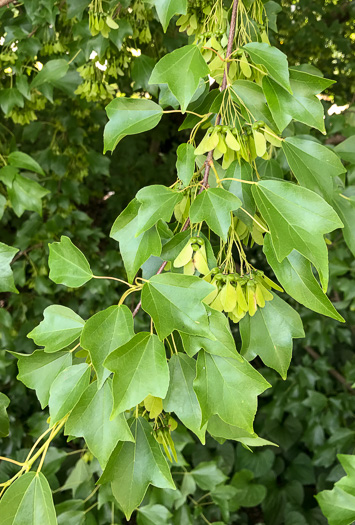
209	158
331	371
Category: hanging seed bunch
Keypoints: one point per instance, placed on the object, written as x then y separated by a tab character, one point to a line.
254	234
99	21
237	295
231	144
193	257
194	22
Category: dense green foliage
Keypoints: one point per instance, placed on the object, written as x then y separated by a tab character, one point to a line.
58	187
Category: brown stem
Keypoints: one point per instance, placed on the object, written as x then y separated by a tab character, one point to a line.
209	158
331	371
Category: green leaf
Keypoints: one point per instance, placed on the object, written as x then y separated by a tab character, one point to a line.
166	9
132	467
224	344
346	211
51	71
174	303
141	70
103	333
4	418
313	165
157	202
24	161
229	388
274	61
214	206
153	515
303	105
181	398
67	389
219	429
185	163
90	419
129	116
135	251
28	501
249	494
10	98
7	283
117	36
253	98
140	369
269	334
243	171
59	328
184	63
38	371
338	504
207	475
296	276
26	194
346	149
67	264
297	219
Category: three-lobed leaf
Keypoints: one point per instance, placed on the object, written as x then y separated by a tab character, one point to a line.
297	219
214	206
157	203
129	116
103	333
269	334
18	159
90	419
67	264
132	467
166	9
59	328
224	343
181	70
229	388
140	369
174	302
135	251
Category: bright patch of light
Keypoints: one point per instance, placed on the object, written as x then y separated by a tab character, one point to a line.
211	80
293	8
2	40
93	55
8	70
101	67
335	109
135	52
14	47
108	195
39	65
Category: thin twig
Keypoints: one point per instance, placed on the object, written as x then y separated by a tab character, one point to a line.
331	371
209	159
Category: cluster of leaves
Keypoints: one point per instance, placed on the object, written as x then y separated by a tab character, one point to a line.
141	375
